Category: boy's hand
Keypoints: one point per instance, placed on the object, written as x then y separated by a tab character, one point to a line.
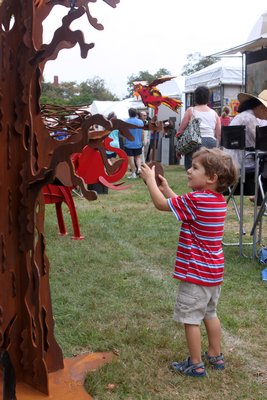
157	169
163	184
147	173
150	176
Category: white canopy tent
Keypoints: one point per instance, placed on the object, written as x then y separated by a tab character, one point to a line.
170	88
254	54
120	108
227	71
257	39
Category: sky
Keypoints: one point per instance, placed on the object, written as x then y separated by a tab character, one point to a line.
146	35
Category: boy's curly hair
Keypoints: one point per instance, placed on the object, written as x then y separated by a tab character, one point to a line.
217	161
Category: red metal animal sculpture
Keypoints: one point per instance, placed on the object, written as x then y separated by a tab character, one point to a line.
152	97
91	164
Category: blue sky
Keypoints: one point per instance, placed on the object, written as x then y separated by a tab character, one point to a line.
147	35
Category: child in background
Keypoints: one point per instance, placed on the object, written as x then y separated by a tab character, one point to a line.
225	118
199	258
115	143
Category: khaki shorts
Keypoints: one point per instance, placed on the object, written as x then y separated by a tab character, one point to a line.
195	303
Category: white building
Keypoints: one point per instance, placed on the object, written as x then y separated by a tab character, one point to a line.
225	79
254	54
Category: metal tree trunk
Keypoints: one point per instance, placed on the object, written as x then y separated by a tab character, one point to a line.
29	158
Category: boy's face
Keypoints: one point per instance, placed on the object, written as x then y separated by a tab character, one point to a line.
197	178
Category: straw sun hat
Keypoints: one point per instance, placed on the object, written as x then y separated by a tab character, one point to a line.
262	97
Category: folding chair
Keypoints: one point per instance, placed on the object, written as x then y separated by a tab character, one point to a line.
259	207
234	138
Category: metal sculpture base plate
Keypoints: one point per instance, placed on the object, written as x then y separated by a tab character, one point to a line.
67	383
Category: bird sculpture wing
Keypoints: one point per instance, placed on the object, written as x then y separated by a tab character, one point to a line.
158	81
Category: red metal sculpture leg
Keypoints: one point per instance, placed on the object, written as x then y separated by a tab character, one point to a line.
55	194
67	194
60	219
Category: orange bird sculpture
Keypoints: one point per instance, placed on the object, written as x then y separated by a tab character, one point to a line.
151	96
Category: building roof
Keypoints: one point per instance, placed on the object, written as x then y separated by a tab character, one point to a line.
227	71
256	40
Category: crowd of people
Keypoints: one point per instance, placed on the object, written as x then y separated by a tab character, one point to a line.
252	112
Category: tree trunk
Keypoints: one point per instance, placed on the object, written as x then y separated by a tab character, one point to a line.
29	157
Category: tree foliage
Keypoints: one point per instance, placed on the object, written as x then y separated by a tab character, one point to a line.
144	76
71	93
196	62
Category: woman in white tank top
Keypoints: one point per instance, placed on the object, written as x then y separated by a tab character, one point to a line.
210	125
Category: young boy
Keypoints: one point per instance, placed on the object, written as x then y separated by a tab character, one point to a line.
199	257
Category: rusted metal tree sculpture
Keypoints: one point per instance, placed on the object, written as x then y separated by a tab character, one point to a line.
29	160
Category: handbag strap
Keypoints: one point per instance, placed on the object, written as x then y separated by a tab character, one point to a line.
193	115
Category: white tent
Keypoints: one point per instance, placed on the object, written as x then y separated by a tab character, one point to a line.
254	56
259	29
257	39
227	71
170	88
120	108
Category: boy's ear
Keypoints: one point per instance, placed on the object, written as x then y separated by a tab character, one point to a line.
213	178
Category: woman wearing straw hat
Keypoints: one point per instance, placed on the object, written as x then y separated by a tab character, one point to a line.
252	111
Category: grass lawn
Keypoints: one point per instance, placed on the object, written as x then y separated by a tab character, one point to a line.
114	291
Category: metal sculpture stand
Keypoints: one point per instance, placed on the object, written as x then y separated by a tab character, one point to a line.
259	212
233	138
67	383
30	160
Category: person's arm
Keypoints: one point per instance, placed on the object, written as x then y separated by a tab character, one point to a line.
185	121
218	130
143	137
158	198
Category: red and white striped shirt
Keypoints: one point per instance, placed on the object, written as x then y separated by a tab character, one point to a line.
199	256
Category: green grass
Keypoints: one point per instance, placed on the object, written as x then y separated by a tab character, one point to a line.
113	291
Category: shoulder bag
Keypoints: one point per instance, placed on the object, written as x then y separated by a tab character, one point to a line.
190	139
